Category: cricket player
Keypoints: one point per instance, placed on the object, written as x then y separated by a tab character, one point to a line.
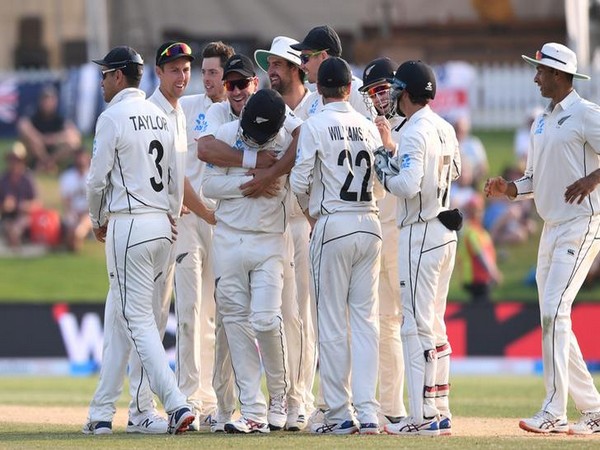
320	43
249	250
334	168
426	161
240	82
562	176
194	278
132	198
376	90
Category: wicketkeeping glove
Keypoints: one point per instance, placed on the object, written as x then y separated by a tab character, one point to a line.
386	166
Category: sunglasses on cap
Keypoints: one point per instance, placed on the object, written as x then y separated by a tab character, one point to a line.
241	84
539	56
107	71
178	48
305	57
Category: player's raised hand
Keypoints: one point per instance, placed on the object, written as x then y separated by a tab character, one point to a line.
495	187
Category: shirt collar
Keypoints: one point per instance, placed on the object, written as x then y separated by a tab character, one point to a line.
165	105
126	93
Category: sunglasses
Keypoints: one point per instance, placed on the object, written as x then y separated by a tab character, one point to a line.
378	90
178	48
241	84
107	71
539	56
305	57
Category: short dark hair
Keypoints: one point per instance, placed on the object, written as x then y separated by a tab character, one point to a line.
334	92
133	74
218	49
418	99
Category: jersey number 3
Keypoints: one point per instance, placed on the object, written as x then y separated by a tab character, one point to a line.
156	145
345	193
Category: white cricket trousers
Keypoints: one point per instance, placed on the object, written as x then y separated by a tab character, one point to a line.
391	358
137	248
344	253
426	254
195	312
565	255
300	229
249	283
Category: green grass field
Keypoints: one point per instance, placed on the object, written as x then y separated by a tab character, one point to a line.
68	277
493	402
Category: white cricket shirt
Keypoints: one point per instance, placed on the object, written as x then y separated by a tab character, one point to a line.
429	159
132	160
565	143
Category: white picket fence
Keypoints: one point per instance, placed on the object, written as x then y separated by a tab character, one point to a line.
501	95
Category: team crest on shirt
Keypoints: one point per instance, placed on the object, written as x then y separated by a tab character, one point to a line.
539	128
313	107
201	123
562	120
405	161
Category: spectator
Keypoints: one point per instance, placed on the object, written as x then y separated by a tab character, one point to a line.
18	197
476	254
472	151
49	138
522	138
76	217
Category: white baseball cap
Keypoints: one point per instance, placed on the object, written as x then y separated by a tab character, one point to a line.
558	57
279	47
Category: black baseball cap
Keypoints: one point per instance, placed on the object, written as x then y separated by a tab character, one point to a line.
417	78
334	72
321	38
377	71
263	115
241	64
172	50
120	57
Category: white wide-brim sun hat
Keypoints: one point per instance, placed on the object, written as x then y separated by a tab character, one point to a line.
558	57
280	47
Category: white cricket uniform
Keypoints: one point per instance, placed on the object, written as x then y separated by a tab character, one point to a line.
223	381
333	167
300	230
72	185
391	359
130	186
194	278
565	147
314	103
138	386
429	159
249	250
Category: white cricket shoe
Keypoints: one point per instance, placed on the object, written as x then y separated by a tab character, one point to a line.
246	426
544	422
589	423
296	418
277	414
179	420
206	420
97	428
346	427
317	416
219	421
147	423
445	426
408	427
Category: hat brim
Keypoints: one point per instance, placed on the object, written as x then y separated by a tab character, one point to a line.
553	65
302	46
262	59
169	59
243	72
